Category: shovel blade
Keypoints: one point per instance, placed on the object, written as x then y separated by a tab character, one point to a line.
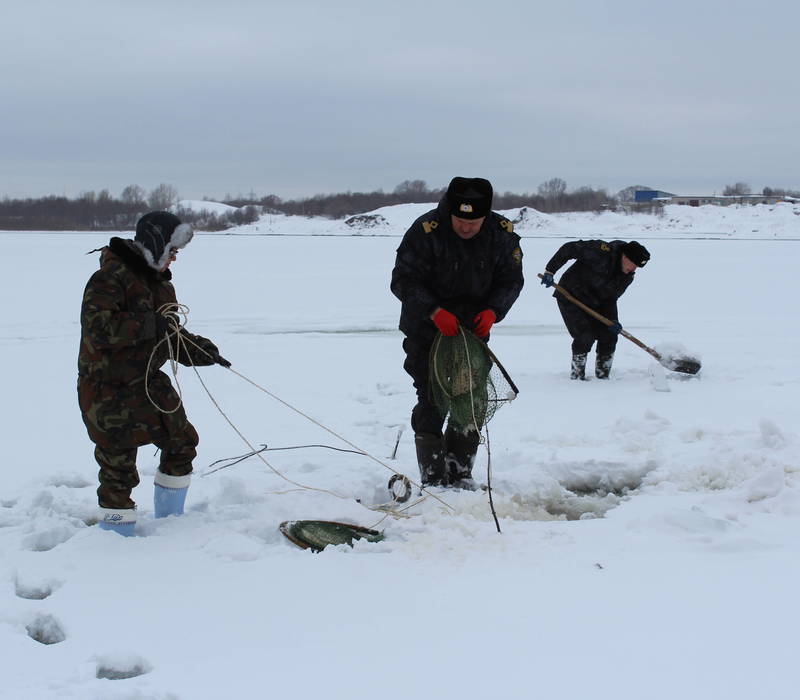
684	365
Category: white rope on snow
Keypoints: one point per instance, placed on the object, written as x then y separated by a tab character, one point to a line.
174	311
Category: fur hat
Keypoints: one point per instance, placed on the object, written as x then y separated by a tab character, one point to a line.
157	234
636	253
469	197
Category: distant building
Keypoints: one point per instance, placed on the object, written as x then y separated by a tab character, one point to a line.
658	197
724	200
641	196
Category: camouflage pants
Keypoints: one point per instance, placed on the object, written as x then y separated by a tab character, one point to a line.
120	419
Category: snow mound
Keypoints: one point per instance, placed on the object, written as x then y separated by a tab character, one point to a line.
366	221
201	206
529	220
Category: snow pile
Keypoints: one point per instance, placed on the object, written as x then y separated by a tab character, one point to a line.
737	221
202	206
362	222
529	221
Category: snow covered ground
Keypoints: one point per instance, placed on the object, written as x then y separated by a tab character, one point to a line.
737	221
650	544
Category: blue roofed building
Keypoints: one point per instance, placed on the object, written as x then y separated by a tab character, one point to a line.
642	196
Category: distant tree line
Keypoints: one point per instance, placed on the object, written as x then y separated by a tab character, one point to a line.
739	189
100	211
551	196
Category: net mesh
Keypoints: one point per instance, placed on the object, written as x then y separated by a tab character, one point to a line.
467	386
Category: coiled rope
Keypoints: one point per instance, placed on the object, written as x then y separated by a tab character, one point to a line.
176	315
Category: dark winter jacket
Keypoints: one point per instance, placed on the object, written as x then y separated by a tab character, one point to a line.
435	267
118	322
596	276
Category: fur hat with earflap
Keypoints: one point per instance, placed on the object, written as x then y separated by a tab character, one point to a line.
157	234
469	197
636	253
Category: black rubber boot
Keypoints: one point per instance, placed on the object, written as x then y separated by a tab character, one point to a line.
602	365
578	369
430	457
460	449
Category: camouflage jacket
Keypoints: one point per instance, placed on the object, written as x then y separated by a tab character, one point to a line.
596	276
118	323
435	267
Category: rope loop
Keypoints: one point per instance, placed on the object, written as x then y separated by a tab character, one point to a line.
178	342
175	315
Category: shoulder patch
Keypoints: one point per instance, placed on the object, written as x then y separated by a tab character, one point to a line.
516	255
507	225
605	247
429	226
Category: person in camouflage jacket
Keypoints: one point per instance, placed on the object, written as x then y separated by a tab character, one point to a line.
459	264
127	311
601	273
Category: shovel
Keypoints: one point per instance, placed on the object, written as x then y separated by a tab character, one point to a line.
685	365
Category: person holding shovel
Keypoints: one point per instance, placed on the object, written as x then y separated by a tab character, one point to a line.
601	273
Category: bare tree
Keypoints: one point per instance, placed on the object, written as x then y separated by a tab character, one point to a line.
779	192
134	196
553	189
589	199
270	203
162	197
411	190
736	189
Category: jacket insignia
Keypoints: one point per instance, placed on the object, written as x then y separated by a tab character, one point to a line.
517	254
429	226
507	225
605	247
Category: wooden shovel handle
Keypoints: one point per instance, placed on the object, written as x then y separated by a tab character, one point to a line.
563	292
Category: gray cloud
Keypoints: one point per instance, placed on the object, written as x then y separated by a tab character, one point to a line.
295	98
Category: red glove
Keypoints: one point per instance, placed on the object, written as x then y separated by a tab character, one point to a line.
445	322
484	322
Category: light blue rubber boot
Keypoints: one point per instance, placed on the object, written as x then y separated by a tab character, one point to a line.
122	521
169	494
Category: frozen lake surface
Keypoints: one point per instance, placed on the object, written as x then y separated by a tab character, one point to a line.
650	539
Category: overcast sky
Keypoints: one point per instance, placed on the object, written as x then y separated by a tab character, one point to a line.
305	97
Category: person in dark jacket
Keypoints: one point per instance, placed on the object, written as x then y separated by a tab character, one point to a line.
601	273
458	265
128	311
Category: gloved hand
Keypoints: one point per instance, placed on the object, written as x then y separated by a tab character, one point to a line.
222	361
211	352
166	323
615	327
547	279
484	322
446	322
206	353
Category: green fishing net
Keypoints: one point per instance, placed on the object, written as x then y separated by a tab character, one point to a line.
468	384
